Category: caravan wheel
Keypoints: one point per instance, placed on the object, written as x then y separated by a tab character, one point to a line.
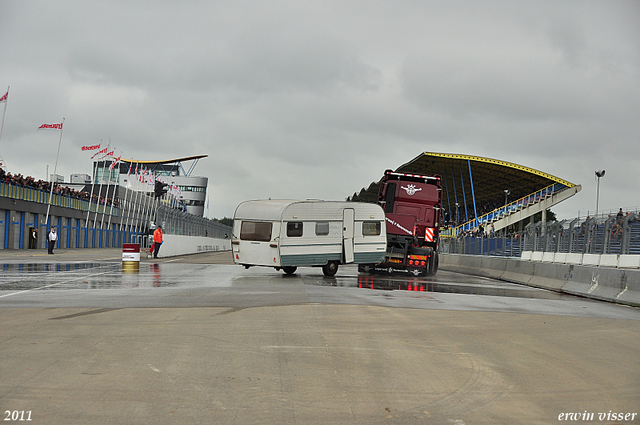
289	269
330	269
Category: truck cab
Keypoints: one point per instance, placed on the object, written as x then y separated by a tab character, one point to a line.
412	204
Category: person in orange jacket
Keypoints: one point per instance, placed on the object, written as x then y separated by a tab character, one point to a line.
157	241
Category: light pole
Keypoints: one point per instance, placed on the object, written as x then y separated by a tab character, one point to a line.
507	192
598	175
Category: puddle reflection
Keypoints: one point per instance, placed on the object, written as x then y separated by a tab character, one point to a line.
387	283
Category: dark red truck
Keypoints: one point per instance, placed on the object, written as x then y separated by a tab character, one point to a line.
412	205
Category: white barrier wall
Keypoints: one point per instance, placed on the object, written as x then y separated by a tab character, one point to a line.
180	245
596	260
621	285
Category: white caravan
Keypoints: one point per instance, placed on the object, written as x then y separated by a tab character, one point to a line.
286	234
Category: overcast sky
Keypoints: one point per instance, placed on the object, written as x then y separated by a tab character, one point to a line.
315	99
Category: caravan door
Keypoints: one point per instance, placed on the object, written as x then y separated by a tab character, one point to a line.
348	218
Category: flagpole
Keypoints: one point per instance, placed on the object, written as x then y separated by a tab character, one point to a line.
124	201
134	215
95	217
104	210
93	181
55	169
130	203
4	112
112	195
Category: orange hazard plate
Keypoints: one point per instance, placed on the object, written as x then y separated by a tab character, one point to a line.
418	257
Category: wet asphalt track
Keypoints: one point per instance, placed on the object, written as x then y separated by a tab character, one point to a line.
195	339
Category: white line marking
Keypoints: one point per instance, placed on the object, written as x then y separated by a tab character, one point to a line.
53	284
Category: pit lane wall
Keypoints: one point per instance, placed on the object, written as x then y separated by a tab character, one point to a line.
181	245
603	283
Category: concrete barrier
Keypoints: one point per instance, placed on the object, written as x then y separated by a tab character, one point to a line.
181	245
574	258
595	260
609	260
591	259
548	257
603	283
560	257
629	261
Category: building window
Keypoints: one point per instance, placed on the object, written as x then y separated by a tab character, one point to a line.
371	228
294	229
322	228
255	231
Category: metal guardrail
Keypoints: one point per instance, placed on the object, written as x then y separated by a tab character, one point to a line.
176	222
595	235
601	235
501	246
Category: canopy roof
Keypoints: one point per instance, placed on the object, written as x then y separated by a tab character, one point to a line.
165	161
167	166
490	177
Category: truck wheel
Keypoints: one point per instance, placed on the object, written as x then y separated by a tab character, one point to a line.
289	269
330	269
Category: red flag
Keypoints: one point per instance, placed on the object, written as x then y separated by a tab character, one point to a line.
51	127
91	147
113	164
99	152
4	98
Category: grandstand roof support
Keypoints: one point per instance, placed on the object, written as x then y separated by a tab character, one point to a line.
455	194
464	195
446	188
473	194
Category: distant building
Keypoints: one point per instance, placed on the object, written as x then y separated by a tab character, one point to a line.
56	178
191	191
80	178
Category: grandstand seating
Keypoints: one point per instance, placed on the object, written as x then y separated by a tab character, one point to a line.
523	207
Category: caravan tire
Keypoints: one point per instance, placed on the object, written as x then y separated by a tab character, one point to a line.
289	269
330	269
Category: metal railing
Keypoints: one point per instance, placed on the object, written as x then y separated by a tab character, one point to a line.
41	196
593	235
176	222
507	209
508	246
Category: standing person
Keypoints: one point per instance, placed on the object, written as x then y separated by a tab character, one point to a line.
34	238
157	241
53	237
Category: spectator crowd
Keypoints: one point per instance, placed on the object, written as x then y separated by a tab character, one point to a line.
30	182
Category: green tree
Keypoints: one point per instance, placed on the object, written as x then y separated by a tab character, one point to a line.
226	221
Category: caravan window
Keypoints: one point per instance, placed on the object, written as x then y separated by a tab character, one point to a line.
255	231
371	228
322	228
294	229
